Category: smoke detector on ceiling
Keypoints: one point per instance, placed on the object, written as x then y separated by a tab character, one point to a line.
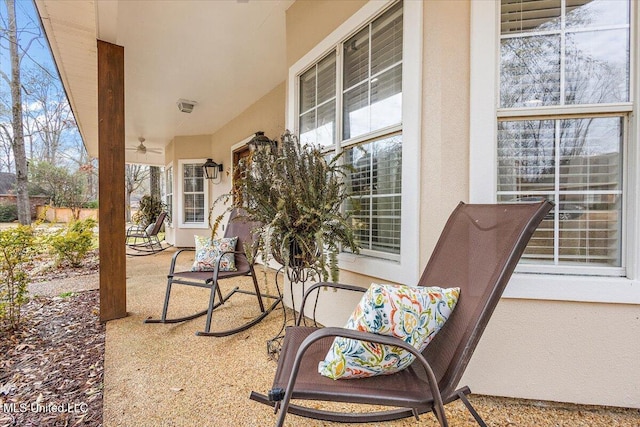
185	105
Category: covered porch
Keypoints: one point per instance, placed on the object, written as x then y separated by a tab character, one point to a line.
130	67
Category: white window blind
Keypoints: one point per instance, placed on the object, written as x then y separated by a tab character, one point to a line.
566	57
575	163
372	100
376	185
372	77
370	96
317	122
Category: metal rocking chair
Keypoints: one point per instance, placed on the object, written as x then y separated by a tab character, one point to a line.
211	280
477	251
145	239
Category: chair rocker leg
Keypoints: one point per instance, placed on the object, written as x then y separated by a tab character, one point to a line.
462	394
263	313
165	309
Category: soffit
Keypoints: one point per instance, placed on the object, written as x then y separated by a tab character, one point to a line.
223	54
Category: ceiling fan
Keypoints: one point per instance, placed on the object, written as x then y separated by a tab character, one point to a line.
142	149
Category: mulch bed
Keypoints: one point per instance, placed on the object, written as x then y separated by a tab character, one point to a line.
51	368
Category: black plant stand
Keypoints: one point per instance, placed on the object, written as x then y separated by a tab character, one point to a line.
299	274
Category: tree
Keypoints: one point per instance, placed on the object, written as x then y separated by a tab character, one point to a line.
134	177
48	114
63	187
6	137
154	182
19	153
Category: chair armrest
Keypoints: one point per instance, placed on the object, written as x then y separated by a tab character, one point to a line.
174	258
134	229
322	285
362	336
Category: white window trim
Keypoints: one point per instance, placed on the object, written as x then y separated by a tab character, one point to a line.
173	192
485	36
180	196
407	269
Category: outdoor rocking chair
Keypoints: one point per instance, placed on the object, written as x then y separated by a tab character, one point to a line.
144	240
477	251
210	280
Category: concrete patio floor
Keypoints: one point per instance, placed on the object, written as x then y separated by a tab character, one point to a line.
165	375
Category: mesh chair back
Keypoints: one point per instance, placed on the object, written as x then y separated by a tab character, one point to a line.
244	230
158	224
477	251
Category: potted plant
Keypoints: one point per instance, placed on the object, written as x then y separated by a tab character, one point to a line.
297	194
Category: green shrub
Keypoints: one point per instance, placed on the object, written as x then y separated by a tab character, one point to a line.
72	244
16	244
93	204
8	212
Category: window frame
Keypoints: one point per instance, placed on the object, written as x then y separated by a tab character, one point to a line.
169	191
556	283
405	268
181	195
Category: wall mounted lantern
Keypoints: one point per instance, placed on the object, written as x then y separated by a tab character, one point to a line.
211	169
260	141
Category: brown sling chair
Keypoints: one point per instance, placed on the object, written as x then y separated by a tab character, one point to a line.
477	251
210	280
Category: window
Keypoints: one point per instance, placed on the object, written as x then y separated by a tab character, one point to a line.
564	108
358	84
318	103
376	185
359	93
194	200
168	197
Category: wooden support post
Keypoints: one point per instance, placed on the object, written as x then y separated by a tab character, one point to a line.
113	286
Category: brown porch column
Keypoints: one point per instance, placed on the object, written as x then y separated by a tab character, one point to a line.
113	290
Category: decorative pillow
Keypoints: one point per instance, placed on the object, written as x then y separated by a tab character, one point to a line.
149	229
413	314
208	250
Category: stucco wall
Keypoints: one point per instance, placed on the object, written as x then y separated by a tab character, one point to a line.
186	147
445	117
266	114
560	351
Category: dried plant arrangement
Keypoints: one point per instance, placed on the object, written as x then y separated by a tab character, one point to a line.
297	193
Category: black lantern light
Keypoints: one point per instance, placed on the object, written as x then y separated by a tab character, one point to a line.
260	141
211	169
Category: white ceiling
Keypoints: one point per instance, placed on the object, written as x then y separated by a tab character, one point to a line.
224	54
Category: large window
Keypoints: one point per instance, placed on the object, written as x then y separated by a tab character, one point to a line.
193	194
351	100
563	115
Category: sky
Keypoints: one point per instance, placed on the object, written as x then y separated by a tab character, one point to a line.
39	51
32	39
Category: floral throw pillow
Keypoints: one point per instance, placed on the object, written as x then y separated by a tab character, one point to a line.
208	250
413	314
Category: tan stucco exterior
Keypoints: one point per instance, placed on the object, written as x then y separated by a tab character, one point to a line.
560	351
266	114
445	117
